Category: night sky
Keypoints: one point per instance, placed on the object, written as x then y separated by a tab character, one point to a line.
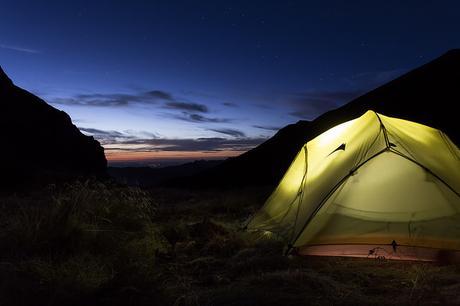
159	81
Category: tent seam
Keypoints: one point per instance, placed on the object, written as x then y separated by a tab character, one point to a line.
334	189
426	169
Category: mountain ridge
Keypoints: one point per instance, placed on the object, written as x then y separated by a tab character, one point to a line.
40	142
426	94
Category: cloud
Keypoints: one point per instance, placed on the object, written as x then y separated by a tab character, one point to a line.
110	136
114	99
101	132
267	127
230	132
230	104
123	141
309	105
141	134
188	110
19	49
191	107
160	95
190	117
79	120
213	144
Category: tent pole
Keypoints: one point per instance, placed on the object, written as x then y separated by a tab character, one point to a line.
331	192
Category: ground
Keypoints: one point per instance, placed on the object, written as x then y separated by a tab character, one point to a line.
96	243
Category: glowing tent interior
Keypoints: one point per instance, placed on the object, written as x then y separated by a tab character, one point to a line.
372	186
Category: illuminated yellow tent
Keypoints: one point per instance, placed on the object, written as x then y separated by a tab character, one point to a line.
373	186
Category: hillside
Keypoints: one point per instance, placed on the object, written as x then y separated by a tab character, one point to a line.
40	142
428	95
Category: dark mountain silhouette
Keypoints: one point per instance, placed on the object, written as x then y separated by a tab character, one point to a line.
147	176
40	142
429	95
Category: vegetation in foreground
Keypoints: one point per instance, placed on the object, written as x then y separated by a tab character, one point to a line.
102	244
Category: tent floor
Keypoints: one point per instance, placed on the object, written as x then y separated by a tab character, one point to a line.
382	252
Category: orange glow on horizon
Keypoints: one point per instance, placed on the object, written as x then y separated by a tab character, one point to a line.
118	156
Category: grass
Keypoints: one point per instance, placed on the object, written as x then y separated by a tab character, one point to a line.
76	243
102	244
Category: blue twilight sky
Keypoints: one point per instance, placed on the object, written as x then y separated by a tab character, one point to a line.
157	81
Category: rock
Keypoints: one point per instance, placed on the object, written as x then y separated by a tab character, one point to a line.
40	143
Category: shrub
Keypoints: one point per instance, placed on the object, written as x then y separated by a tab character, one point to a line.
80	238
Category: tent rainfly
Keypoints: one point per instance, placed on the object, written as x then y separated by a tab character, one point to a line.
375	186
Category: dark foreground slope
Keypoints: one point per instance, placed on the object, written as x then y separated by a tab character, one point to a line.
40	142
429	95
99	244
